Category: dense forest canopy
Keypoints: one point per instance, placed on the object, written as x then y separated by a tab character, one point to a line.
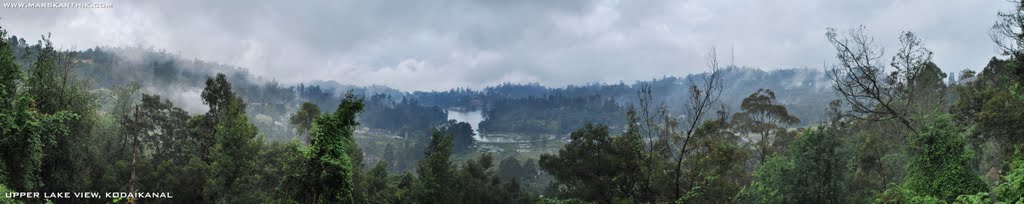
880	125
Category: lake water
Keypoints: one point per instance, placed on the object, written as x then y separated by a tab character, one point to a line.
471	117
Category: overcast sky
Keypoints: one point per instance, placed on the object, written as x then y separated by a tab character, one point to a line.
431	45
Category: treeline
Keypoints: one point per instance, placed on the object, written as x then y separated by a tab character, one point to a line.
807	93
554	114
405	115
269	103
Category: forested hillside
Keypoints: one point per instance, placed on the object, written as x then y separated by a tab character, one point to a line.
179	80
880	125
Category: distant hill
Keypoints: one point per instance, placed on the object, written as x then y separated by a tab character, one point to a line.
805	92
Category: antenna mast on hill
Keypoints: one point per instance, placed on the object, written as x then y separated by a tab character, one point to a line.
732	55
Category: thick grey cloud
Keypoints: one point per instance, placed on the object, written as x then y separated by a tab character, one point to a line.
425	45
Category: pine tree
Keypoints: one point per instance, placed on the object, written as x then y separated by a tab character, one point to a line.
233	173
435	172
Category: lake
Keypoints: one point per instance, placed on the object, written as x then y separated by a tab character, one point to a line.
472	117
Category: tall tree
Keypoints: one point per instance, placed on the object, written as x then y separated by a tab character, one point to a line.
330	166
819	170
378	187
233	145
24	131
478	183
702	98
10	73
597	167
1008	35
873	91
1000	117
54	87
462	135
302	120
435	173
280	162
716	166
223	102
162	127
764	117
813	172
772	183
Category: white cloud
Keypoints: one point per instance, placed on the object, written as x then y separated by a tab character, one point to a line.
422	45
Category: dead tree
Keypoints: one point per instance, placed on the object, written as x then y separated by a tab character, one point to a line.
703	95
1007	33
865	83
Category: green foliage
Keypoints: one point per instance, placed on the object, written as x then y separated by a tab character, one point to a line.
771	184
462	135
974	199
222	151
44	80
4	190
435	175
1000	116
878	157
221	99
899	194
329	168
478	182
378	187
10	73
939	163
280	162
510	168
554	114
562	201
25	132
302	120
1010	190
814	173
162	128
819	168
405	116
234	172
154	132
716	167
764	117
405	192
595	166
53	87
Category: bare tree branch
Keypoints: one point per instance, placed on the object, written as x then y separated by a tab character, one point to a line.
703	96
873	92
1009	30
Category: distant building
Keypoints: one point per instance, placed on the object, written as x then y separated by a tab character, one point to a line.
951	78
